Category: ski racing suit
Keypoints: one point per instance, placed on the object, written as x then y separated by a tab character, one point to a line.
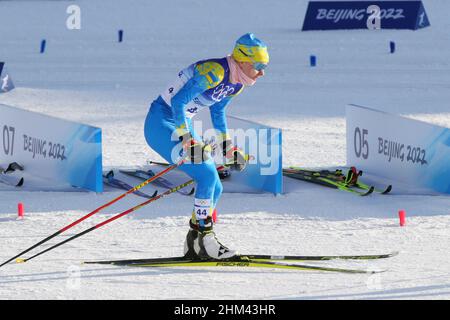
203	84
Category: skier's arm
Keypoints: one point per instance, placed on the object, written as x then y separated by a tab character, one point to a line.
194	87
235	157
218	116
206	76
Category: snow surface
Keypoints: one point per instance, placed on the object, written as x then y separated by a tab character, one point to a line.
87	76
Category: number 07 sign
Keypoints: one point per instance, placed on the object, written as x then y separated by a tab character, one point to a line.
398	148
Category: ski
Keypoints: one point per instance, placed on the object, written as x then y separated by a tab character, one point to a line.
13	166
322	258
241	261
10	181
109	179
336	175
7	179
256	257
255	264
363	186
331	183
351	179
223	170
161	182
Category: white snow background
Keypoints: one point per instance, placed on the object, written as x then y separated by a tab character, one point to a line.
87	76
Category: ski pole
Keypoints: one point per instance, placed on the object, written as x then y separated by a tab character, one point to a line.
179	163
158	163
110	220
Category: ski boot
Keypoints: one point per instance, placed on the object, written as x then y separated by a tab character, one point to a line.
202	244
352	176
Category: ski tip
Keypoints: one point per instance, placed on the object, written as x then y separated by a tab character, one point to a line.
20	260
388	189
108	175
12	167
393	254
370	191
20	183
376	271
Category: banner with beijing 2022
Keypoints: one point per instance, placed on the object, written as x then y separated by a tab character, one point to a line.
398	148
59	151
334	15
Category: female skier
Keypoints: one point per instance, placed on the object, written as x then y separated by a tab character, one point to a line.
209	83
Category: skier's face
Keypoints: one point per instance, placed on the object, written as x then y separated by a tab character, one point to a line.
250	71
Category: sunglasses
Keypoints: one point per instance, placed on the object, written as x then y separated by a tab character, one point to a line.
258	66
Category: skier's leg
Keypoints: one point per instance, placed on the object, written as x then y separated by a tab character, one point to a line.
201	240
206	177
217	193
218	189
213	182
158	131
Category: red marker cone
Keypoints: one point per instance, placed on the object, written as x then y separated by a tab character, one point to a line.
20	210
214	216
402	217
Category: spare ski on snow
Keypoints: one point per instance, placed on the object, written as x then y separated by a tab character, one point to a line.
223	171
10	181
354	182
363	186
13	166
350	180
109	179
327	182
162	182
6	178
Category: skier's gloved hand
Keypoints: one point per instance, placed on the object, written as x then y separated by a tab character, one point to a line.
195	150
235	158
183	134
223	171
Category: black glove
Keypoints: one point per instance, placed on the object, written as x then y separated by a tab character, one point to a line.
235	158
196	151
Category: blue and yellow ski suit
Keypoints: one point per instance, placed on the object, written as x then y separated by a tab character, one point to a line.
203	84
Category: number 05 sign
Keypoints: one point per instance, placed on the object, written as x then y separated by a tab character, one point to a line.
398	148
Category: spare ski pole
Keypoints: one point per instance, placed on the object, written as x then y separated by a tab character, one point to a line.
97	210
175	189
